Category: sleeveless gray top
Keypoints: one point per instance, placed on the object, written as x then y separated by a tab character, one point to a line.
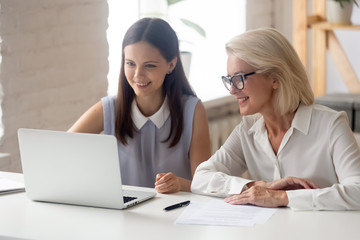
146	154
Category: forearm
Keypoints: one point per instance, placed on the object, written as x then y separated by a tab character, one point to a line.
185	184
220	176
336	197
217	184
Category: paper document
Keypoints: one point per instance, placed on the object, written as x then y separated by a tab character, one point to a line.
218	212
9	186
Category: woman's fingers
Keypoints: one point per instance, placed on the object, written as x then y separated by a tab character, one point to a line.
167	183
260	196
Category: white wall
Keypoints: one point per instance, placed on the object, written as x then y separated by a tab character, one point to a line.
278	14
54	65
270	13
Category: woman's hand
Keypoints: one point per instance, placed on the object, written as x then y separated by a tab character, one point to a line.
260	196
167	183
291	183
270	194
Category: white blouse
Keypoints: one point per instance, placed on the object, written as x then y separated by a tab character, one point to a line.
319	146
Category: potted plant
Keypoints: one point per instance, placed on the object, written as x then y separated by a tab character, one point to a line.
187	22
339	11
160	8
186	55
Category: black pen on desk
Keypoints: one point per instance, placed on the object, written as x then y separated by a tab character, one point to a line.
178	205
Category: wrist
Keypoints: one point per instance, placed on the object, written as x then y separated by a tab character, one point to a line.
184	184
284	198
256	183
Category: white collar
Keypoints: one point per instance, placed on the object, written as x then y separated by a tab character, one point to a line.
301	120
157	118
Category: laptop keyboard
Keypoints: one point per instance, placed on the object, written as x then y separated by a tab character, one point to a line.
127	198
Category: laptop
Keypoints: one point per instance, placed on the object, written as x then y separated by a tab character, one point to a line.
74	168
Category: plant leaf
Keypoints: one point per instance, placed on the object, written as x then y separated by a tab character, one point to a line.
171	2
342	4
194	26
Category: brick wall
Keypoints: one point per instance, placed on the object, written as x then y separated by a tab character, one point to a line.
54	65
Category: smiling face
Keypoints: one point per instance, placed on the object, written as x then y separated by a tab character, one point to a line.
257	94
145	69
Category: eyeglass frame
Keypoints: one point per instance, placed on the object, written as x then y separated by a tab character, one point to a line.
230	79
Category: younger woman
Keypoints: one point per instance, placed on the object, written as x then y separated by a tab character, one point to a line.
160	124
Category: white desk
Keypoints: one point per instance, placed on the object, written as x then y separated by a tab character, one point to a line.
24	219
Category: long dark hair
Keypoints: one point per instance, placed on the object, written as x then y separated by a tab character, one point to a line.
158	33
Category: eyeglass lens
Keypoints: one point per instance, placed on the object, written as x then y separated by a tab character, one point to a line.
236	80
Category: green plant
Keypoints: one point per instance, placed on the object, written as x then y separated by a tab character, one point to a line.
341	2
189	23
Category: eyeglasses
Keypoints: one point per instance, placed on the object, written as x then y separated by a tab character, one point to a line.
237	80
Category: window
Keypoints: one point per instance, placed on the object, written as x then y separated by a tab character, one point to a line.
221	20
1	97
122	14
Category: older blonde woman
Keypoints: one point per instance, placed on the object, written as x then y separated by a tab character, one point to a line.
297	153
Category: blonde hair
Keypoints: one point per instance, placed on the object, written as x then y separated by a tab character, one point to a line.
268	51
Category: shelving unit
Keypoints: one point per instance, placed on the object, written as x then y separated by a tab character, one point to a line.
323	38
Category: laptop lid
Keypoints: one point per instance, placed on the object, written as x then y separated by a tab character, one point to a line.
73	168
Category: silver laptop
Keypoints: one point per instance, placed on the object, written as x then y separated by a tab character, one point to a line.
74	168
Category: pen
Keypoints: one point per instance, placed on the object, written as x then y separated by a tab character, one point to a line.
178	205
